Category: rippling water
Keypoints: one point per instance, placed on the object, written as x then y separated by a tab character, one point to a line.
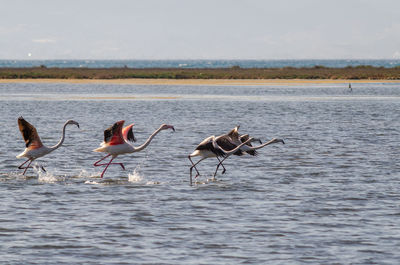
330	195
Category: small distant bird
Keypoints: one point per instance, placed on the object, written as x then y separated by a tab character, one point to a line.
34	147
116	142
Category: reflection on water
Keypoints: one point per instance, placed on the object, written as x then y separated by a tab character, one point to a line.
329	195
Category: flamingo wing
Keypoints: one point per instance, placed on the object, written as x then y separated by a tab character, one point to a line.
113	134
207	144
244	138
127	133
29	133
227	145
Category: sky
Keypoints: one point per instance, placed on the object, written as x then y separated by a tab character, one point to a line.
200	29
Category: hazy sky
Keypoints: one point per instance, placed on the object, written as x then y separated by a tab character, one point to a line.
199	29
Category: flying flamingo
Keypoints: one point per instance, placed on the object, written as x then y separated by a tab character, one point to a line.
214	147
116	142
34	147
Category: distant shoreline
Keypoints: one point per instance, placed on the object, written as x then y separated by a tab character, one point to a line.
233	74
205	82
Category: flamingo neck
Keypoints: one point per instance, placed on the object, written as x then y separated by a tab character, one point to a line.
145	144
264	144
61	140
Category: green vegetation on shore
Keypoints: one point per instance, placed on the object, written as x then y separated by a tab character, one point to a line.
235	72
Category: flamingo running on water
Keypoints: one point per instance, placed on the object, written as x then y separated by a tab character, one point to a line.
34	147
228	142
116	142
233	139
214	147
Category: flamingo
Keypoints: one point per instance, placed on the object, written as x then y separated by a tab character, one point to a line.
116	142
34	147
233	139
214	147
227	141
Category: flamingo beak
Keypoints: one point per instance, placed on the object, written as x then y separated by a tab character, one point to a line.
173	129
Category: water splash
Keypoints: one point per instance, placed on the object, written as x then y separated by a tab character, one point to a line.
48	177
135	176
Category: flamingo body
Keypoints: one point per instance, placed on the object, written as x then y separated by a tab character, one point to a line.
115	149
34	153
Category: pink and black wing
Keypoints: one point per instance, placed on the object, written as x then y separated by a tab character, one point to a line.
29	133
127	133
113	134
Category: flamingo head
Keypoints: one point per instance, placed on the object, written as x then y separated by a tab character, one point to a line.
276	140
72	122
166	126
257	140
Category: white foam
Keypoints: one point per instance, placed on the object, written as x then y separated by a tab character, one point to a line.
92	182
48	177
135	175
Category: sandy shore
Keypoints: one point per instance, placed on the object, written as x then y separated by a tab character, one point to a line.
209	82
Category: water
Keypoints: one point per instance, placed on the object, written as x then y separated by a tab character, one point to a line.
330	195
200	63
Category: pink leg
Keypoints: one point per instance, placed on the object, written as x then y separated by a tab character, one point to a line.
96	164
26	168
109	163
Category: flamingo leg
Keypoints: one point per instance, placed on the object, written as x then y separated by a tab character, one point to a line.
194	166
96	164
109	163
220	163
28	166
